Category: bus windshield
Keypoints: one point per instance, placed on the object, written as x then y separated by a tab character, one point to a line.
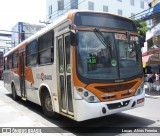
116	59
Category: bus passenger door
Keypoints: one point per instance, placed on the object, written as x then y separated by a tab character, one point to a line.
64	64
22	75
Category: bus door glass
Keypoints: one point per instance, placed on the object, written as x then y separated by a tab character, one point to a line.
22	75
64	63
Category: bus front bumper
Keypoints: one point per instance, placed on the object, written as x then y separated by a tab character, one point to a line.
85	110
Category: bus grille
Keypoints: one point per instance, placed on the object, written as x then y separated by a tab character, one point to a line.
116	88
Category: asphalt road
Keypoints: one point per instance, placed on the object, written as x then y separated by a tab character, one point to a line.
28	114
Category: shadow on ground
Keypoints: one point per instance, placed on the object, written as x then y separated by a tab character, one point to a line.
112	124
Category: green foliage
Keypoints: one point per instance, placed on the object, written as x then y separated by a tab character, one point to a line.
142	28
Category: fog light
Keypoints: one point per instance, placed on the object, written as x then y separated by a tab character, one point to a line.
103	110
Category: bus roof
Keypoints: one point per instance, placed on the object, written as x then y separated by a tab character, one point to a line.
66	16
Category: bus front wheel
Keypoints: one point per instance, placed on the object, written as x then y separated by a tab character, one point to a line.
47	105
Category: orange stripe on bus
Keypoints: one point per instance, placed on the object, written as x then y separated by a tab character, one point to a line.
29	75
76	81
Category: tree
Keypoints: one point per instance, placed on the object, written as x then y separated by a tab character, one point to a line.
142	28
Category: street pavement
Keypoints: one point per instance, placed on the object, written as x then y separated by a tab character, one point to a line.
14	113
150	90
12	116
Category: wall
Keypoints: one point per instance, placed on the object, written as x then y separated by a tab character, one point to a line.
113	6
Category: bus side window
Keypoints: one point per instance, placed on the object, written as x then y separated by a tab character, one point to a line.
46	48
52	55
15	59
32	53
9	61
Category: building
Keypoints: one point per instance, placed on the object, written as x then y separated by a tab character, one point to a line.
22	31
153	35
5	46
151	58
5	41
127	8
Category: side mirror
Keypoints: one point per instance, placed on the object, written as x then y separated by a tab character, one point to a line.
128	37
73	38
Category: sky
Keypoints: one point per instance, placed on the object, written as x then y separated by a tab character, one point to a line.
13	11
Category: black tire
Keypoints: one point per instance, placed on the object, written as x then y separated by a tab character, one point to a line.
14	93
47	105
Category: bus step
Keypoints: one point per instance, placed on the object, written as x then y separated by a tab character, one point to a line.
24	98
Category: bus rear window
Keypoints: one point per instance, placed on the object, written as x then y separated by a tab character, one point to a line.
104	21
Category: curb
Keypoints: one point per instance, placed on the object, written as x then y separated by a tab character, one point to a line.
150	96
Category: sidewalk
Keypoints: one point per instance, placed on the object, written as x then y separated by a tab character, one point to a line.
152	92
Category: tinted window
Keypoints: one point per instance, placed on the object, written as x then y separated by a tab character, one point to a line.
31	53
91	5
46	48
15	59
74	4
10	62
67	46
60	4
60	51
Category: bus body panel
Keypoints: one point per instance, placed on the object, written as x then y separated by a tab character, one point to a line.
16	82
7	79
45	76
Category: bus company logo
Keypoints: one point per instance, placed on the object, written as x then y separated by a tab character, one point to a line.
107	95
130	91
42	76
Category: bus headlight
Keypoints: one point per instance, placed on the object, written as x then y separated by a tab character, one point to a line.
139	90
86	95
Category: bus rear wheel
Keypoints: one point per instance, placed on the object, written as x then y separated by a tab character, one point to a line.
14	93
47	105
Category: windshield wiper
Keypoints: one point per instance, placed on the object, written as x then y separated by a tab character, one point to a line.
101	37
103	40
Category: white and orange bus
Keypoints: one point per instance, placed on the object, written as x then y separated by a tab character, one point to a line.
84	65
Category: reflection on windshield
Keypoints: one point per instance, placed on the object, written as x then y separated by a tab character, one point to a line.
129	56
94	59
97	61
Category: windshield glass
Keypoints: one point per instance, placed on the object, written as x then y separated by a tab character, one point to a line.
129	55
94	58
112	59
